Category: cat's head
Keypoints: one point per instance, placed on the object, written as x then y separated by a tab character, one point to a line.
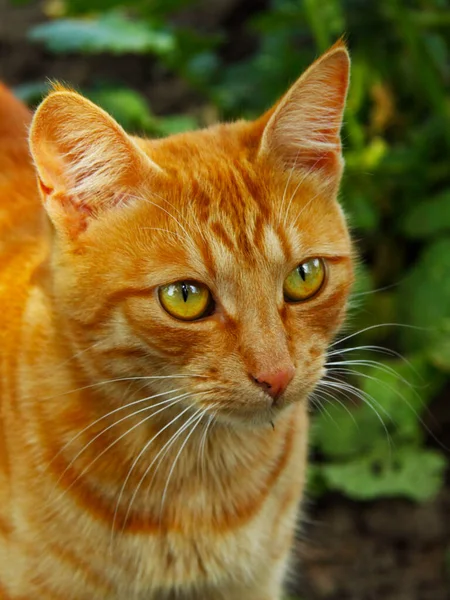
217	262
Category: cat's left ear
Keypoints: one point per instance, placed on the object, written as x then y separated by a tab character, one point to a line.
303	129
86	163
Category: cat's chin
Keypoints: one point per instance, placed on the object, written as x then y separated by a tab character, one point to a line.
253	417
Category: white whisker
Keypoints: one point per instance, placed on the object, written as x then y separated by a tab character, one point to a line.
119	379
364	397
77	354
358	392
371	348
131	469
370	363
318	401
168	404
112	412
341	340
332	399
194	427
211	420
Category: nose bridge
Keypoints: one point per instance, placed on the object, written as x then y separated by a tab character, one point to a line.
264	341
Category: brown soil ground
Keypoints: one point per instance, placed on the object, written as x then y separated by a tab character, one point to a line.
384	550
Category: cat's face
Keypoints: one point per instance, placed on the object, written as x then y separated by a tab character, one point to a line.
220	255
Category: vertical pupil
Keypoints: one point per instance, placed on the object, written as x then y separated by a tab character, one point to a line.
302	272
184	291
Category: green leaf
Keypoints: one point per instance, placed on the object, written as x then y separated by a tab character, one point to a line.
424	298
429	218
131	110
142	7
370	157
339	433
400	391
175	124
315	483
363	214
110	32
439	353
410	472
363	285
396	393
127	106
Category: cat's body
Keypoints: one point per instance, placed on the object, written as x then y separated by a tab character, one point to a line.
98	505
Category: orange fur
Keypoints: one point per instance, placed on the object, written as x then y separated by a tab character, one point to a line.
95	502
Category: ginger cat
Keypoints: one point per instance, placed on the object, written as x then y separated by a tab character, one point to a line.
166	307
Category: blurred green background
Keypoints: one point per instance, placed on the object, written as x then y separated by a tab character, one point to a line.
381	426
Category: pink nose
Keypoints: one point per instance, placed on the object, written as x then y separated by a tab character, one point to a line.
275	382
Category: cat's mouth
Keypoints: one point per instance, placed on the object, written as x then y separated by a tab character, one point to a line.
264	411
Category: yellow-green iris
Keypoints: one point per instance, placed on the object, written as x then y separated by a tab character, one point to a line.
305	280
185	300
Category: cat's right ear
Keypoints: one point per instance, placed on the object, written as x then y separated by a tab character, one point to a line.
85	161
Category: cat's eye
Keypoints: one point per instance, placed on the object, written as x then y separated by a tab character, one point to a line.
186	300
305	280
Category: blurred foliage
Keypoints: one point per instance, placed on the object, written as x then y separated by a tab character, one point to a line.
112	32
369	438
130	108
